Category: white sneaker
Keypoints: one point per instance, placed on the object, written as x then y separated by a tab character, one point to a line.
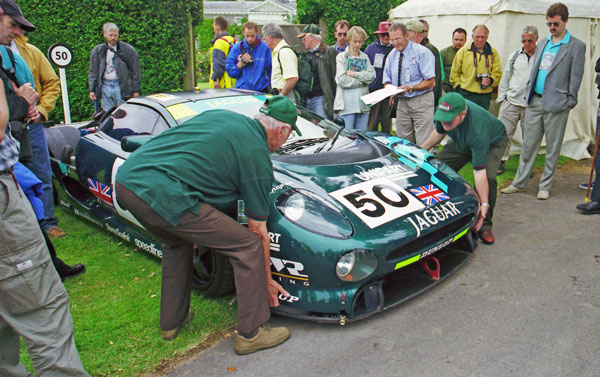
543	195
510	189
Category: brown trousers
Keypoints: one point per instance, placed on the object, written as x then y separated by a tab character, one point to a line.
213	229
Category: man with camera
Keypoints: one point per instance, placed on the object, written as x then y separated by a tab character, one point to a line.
249	61
476	69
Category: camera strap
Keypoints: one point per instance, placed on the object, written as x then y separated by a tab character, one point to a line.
487	61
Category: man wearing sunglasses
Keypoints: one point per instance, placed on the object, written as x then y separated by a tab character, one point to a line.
551	93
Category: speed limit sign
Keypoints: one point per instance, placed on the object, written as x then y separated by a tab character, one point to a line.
60	55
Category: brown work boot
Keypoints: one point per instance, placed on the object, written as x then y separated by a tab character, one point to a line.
266	337
169	335
55	232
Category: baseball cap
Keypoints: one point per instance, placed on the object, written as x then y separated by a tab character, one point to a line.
309	29
10	8
281	108
415	25
450	105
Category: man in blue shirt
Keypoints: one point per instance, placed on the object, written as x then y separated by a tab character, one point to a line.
551	93
249	61
411	67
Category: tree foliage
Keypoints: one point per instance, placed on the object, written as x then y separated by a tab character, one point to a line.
366	14
158	29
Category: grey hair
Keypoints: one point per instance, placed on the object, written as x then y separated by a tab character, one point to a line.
398	26
271	123
530	29
272	30
485	28
110	26
317	36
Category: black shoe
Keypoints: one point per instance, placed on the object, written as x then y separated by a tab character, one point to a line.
500	168
589	208
66	271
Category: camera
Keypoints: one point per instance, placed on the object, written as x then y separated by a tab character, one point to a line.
480	77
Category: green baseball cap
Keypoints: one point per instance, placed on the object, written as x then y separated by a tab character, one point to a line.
309	29
450	105
281	108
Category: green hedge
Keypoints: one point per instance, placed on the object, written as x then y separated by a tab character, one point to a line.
156	28
366	14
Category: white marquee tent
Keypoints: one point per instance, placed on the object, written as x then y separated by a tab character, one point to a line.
505	19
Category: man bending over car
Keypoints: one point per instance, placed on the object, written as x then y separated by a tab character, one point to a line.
476	136
174	184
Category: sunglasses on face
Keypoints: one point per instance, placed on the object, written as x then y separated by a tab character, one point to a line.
342	34
555	24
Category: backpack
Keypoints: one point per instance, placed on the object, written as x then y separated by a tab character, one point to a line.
305	72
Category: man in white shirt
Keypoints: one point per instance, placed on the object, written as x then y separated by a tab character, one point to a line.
284	72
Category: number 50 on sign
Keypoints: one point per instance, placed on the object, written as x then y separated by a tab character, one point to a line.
378	201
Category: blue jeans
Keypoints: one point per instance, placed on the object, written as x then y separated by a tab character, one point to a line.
111	95
356	121
315	104
40	166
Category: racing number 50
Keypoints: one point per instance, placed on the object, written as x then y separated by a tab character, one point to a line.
357	200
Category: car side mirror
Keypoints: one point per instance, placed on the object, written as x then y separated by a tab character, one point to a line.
132	142
340	121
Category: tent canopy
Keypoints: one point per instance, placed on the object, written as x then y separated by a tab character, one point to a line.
505	19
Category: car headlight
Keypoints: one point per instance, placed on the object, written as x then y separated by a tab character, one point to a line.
356	265
310	212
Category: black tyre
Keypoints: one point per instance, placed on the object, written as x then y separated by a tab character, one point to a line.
213	274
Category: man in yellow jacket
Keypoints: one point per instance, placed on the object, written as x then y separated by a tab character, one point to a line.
476	69
222	43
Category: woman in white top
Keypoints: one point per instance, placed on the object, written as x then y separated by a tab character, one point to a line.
354	73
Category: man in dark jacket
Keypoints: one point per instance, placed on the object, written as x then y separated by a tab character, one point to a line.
320	99
377	52
115	73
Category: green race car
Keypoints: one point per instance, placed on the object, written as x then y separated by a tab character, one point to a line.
359	221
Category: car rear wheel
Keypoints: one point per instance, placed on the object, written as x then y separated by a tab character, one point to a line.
213	274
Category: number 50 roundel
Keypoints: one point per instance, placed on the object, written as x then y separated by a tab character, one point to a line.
378	201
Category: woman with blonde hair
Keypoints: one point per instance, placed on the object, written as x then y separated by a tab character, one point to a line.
354	73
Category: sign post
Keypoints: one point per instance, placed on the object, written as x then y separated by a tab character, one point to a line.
61	55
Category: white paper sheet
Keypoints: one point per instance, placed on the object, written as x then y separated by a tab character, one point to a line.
381	94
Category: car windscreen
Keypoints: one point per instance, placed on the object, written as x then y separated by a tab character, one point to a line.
315	129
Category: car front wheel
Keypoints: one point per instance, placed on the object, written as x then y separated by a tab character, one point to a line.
213	274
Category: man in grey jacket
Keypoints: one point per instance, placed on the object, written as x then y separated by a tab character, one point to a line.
115	73
551	93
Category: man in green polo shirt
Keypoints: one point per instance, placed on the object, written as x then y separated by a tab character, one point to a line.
175	185
476	136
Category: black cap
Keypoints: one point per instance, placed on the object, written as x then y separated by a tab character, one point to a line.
10	8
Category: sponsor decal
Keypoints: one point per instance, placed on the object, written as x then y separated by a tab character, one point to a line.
433	215
291	299
163	97
117	232
289	270
65	203
378	201
151	248
279	187
434	249
87	217
274	241
429	194
102	192
390	172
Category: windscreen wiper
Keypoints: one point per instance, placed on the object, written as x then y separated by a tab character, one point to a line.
333	139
